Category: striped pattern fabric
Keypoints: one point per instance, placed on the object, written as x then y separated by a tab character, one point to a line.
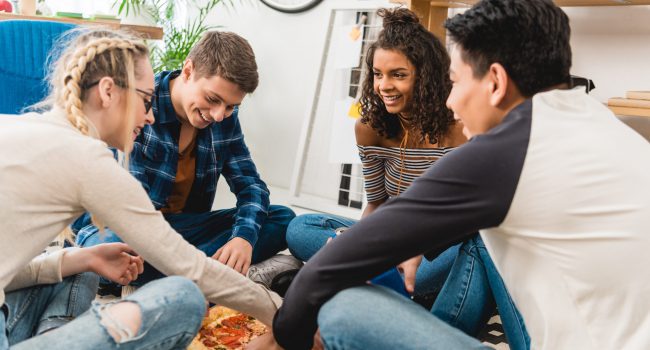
381	168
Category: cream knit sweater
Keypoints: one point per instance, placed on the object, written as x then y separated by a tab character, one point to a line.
50	174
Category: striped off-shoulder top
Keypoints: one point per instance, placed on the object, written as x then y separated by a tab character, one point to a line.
381	168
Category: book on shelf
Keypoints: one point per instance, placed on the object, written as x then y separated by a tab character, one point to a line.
641	112
638	95
628	102
99	17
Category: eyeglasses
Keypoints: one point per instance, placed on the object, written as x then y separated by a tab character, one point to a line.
147	103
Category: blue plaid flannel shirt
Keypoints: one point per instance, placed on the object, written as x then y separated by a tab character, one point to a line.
220	150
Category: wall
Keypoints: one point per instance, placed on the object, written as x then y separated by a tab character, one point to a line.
288	50
611	45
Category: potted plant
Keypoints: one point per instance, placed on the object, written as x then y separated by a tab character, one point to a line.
177	40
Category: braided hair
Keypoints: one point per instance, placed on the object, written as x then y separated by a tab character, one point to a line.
428	115
87	55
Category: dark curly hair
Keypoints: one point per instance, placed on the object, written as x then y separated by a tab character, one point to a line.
428	114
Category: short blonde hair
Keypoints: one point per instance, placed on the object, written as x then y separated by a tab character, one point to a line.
87	55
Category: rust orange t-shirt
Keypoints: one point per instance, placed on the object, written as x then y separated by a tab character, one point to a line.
185	172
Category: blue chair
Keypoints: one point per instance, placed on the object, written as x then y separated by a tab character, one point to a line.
24	49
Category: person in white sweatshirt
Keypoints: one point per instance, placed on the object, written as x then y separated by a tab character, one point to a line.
55	166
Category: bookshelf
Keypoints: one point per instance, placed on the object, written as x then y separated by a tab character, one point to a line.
146	32
434	13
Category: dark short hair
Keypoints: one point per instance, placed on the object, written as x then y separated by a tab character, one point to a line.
227	55
429	114
530	39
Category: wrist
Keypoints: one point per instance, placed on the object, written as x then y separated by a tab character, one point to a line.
75	260
86	259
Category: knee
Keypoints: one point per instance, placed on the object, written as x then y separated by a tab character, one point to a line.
189	304
174	305
187	292
122	320
297	228
343	312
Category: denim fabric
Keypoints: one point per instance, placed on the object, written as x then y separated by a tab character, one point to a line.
468	296
374	317
172	309
36	309
4	336
208	232
308	233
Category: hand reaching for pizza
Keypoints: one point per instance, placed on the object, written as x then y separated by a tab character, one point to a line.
409	268
237	254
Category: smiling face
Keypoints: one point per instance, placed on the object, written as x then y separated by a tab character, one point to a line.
394	78
205	100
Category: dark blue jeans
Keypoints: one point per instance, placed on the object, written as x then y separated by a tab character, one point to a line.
208	232
468	297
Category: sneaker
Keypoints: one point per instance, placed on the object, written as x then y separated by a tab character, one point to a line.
265	271
282	281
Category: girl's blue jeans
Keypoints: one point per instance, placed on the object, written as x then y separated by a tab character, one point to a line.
171	312
308	233
468	283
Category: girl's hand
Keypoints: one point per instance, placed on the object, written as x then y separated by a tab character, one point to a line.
409	268
115	261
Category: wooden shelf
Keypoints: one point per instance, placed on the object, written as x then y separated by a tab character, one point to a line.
467	3
434	13
146	32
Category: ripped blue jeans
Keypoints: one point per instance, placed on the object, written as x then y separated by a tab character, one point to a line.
172	309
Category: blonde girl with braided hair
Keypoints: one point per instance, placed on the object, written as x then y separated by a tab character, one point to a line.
54	166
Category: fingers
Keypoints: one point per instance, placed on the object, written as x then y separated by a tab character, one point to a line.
139	263
222	256
247	265
239	266
231	261
119	246
134	272
318	342
410	271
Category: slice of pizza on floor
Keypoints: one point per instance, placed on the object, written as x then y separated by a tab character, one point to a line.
226	329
